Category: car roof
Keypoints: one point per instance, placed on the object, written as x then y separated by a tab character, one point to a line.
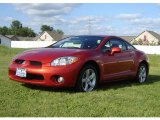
90	36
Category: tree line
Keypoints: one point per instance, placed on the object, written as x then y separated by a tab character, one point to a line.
16	28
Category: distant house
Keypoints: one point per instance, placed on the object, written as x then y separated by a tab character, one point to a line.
8	40
49	36
12	37
147	38
19	38
5	41
25	38
127	38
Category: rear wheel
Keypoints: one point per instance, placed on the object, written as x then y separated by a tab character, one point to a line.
142	73
87	79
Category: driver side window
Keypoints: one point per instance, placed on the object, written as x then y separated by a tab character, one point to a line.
114	43
118	43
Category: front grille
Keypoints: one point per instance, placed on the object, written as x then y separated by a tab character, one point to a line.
34	77
35	63
19	61
30	76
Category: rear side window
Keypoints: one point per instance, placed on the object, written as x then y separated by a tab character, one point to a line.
130	47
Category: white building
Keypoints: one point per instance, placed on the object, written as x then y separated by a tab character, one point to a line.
147	38
49	36
45	39
5	41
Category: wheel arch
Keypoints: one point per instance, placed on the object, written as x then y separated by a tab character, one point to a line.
146	63
96	65
92	63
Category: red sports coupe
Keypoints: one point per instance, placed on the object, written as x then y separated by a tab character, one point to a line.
81	62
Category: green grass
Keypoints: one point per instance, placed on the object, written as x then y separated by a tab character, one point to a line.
115	99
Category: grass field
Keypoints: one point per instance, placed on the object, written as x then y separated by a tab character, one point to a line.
116	99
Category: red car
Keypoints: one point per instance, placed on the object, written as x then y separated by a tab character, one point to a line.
81	62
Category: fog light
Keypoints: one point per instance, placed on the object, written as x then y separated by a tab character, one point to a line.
60	79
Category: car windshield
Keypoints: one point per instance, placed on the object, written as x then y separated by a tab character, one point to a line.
79	42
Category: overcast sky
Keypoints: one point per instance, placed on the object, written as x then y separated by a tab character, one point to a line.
94	18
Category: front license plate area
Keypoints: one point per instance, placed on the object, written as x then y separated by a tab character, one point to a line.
20	72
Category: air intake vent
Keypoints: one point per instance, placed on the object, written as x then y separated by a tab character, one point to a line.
36	63
34	77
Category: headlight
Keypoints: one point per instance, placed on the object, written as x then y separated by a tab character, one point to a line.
64	61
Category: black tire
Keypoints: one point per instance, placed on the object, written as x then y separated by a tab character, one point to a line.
142	76
80	81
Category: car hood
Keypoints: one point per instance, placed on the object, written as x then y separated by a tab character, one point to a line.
45	55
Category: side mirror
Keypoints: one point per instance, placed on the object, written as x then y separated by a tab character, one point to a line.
115	50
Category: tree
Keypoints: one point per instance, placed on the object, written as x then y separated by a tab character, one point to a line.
60	31
17	29
46	28
16	24
49	28
27	32
3	30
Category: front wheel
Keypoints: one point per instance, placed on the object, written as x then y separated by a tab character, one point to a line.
87	79
142	73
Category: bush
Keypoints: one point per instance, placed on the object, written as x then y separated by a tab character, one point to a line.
134	42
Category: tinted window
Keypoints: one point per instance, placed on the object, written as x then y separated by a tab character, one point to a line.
106	47
118	43
130	47
79	42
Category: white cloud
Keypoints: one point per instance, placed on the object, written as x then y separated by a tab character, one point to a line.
89	19
55	20
147	22
125	16
73	25
102	29
8	19
45	9
53	14
36	22
95	29
158	4
139	21
44	13
87	25
129	31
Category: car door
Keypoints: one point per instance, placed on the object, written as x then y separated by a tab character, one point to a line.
131	51
109	62
118	65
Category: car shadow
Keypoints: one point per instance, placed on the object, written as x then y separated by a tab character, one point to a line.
127	83
49	89
104	86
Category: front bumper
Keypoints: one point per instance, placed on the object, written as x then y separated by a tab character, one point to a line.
46	75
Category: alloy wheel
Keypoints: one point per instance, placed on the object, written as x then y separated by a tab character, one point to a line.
142	74
88	80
